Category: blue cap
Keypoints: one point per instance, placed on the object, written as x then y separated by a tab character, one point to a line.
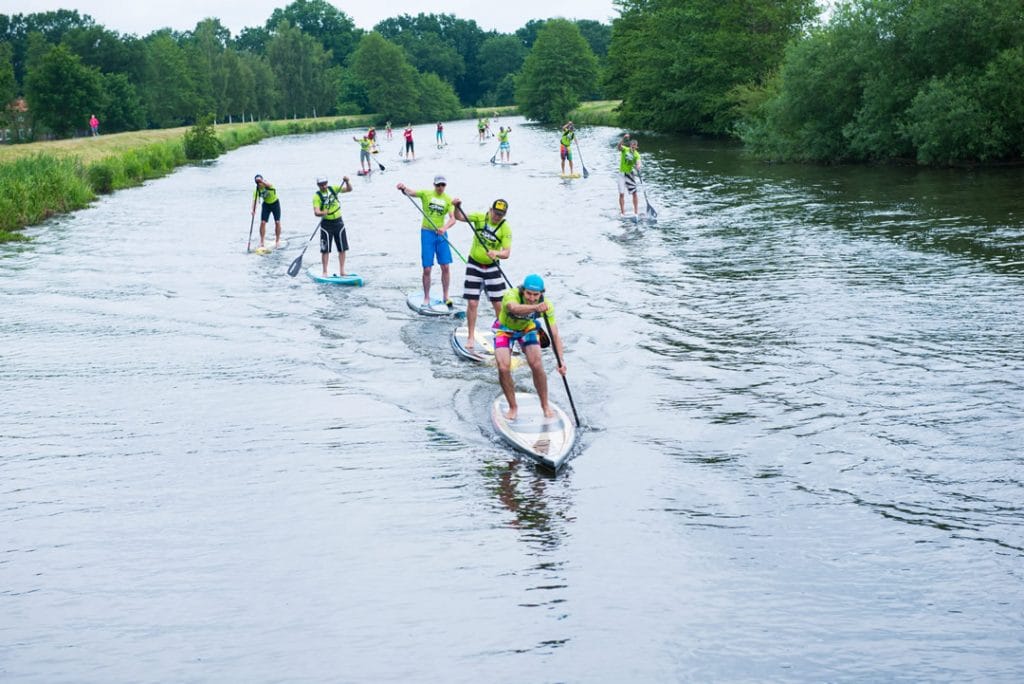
533	282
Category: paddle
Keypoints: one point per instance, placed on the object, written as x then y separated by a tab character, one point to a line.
248	245
434	225
380	165
495	155
651	213
558	358
586	174
296	266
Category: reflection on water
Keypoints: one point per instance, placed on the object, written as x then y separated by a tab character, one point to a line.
803	388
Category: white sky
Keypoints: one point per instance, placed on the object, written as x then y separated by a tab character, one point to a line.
144	16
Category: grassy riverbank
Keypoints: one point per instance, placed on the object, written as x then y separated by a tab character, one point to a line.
597	113
44	179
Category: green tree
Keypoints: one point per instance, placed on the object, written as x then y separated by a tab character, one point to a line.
122	108
8	85
390	82
63	92
559	70
497	58
437	98
169	89
875	84
675	62
331	27
308	83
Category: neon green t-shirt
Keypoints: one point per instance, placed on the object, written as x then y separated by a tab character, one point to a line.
436	207
567	137
507	320
268	195
365	144
487	237
628	160
329	201
503	135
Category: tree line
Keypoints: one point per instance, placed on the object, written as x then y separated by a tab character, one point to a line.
932	81
308	59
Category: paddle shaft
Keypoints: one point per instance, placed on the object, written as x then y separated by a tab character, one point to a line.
252	222
431	222
650	210
558	359
586	174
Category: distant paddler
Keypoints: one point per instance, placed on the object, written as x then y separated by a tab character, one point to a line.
271	205
365	145
629	166
565	146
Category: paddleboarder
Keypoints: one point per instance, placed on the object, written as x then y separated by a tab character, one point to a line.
492	240
365	144
565	147
332	229
503	148
518	321
440	135
438	217
410	149
271	205
629	165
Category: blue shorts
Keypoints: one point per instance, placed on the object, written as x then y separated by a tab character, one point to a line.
431	245
503	146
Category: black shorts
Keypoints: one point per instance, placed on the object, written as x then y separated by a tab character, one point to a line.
408	146
333	231
268	209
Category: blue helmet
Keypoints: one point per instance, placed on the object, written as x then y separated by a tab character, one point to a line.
533	282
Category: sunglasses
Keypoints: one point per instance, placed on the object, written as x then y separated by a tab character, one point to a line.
440	185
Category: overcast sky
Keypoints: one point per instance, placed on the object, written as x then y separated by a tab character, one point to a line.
144	16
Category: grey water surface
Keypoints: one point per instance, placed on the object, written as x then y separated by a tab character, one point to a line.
802	395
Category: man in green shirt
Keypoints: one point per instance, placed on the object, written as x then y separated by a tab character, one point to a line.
492	240
521	308
365	145
629	165
271	205
565	148
438	217
332	229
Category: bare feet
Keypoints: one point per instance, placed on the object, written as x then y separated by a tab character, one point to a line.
512	413
548	411
469	341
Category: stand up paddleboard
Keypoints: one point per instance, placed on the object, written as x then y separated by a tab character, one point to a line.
264	250
435	308
568	175
360	172
548	441
483	347
506	163
317	275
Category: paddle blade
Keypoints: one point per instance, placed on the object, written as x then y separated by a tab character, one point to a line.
492	158
295	266
586	174
651	214
381	166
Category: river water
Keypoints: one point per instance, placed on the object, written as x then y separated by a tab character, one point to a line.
801	391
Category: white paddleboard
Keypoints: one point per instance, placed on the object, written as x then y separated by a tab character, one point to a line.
483	347
435	308
317	274
549	441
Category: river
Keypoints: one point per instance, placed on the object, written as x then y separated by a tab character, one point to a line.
802	397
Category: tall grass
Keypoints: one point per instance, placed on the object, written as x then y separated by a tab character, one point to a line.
599	113
38	187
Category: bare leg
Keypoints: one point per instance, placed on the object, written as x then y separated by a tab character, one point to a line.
341	262
540	378
277	234
263	232
636	205
622	204
446	277
426	286
503	356
324	257
471	305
